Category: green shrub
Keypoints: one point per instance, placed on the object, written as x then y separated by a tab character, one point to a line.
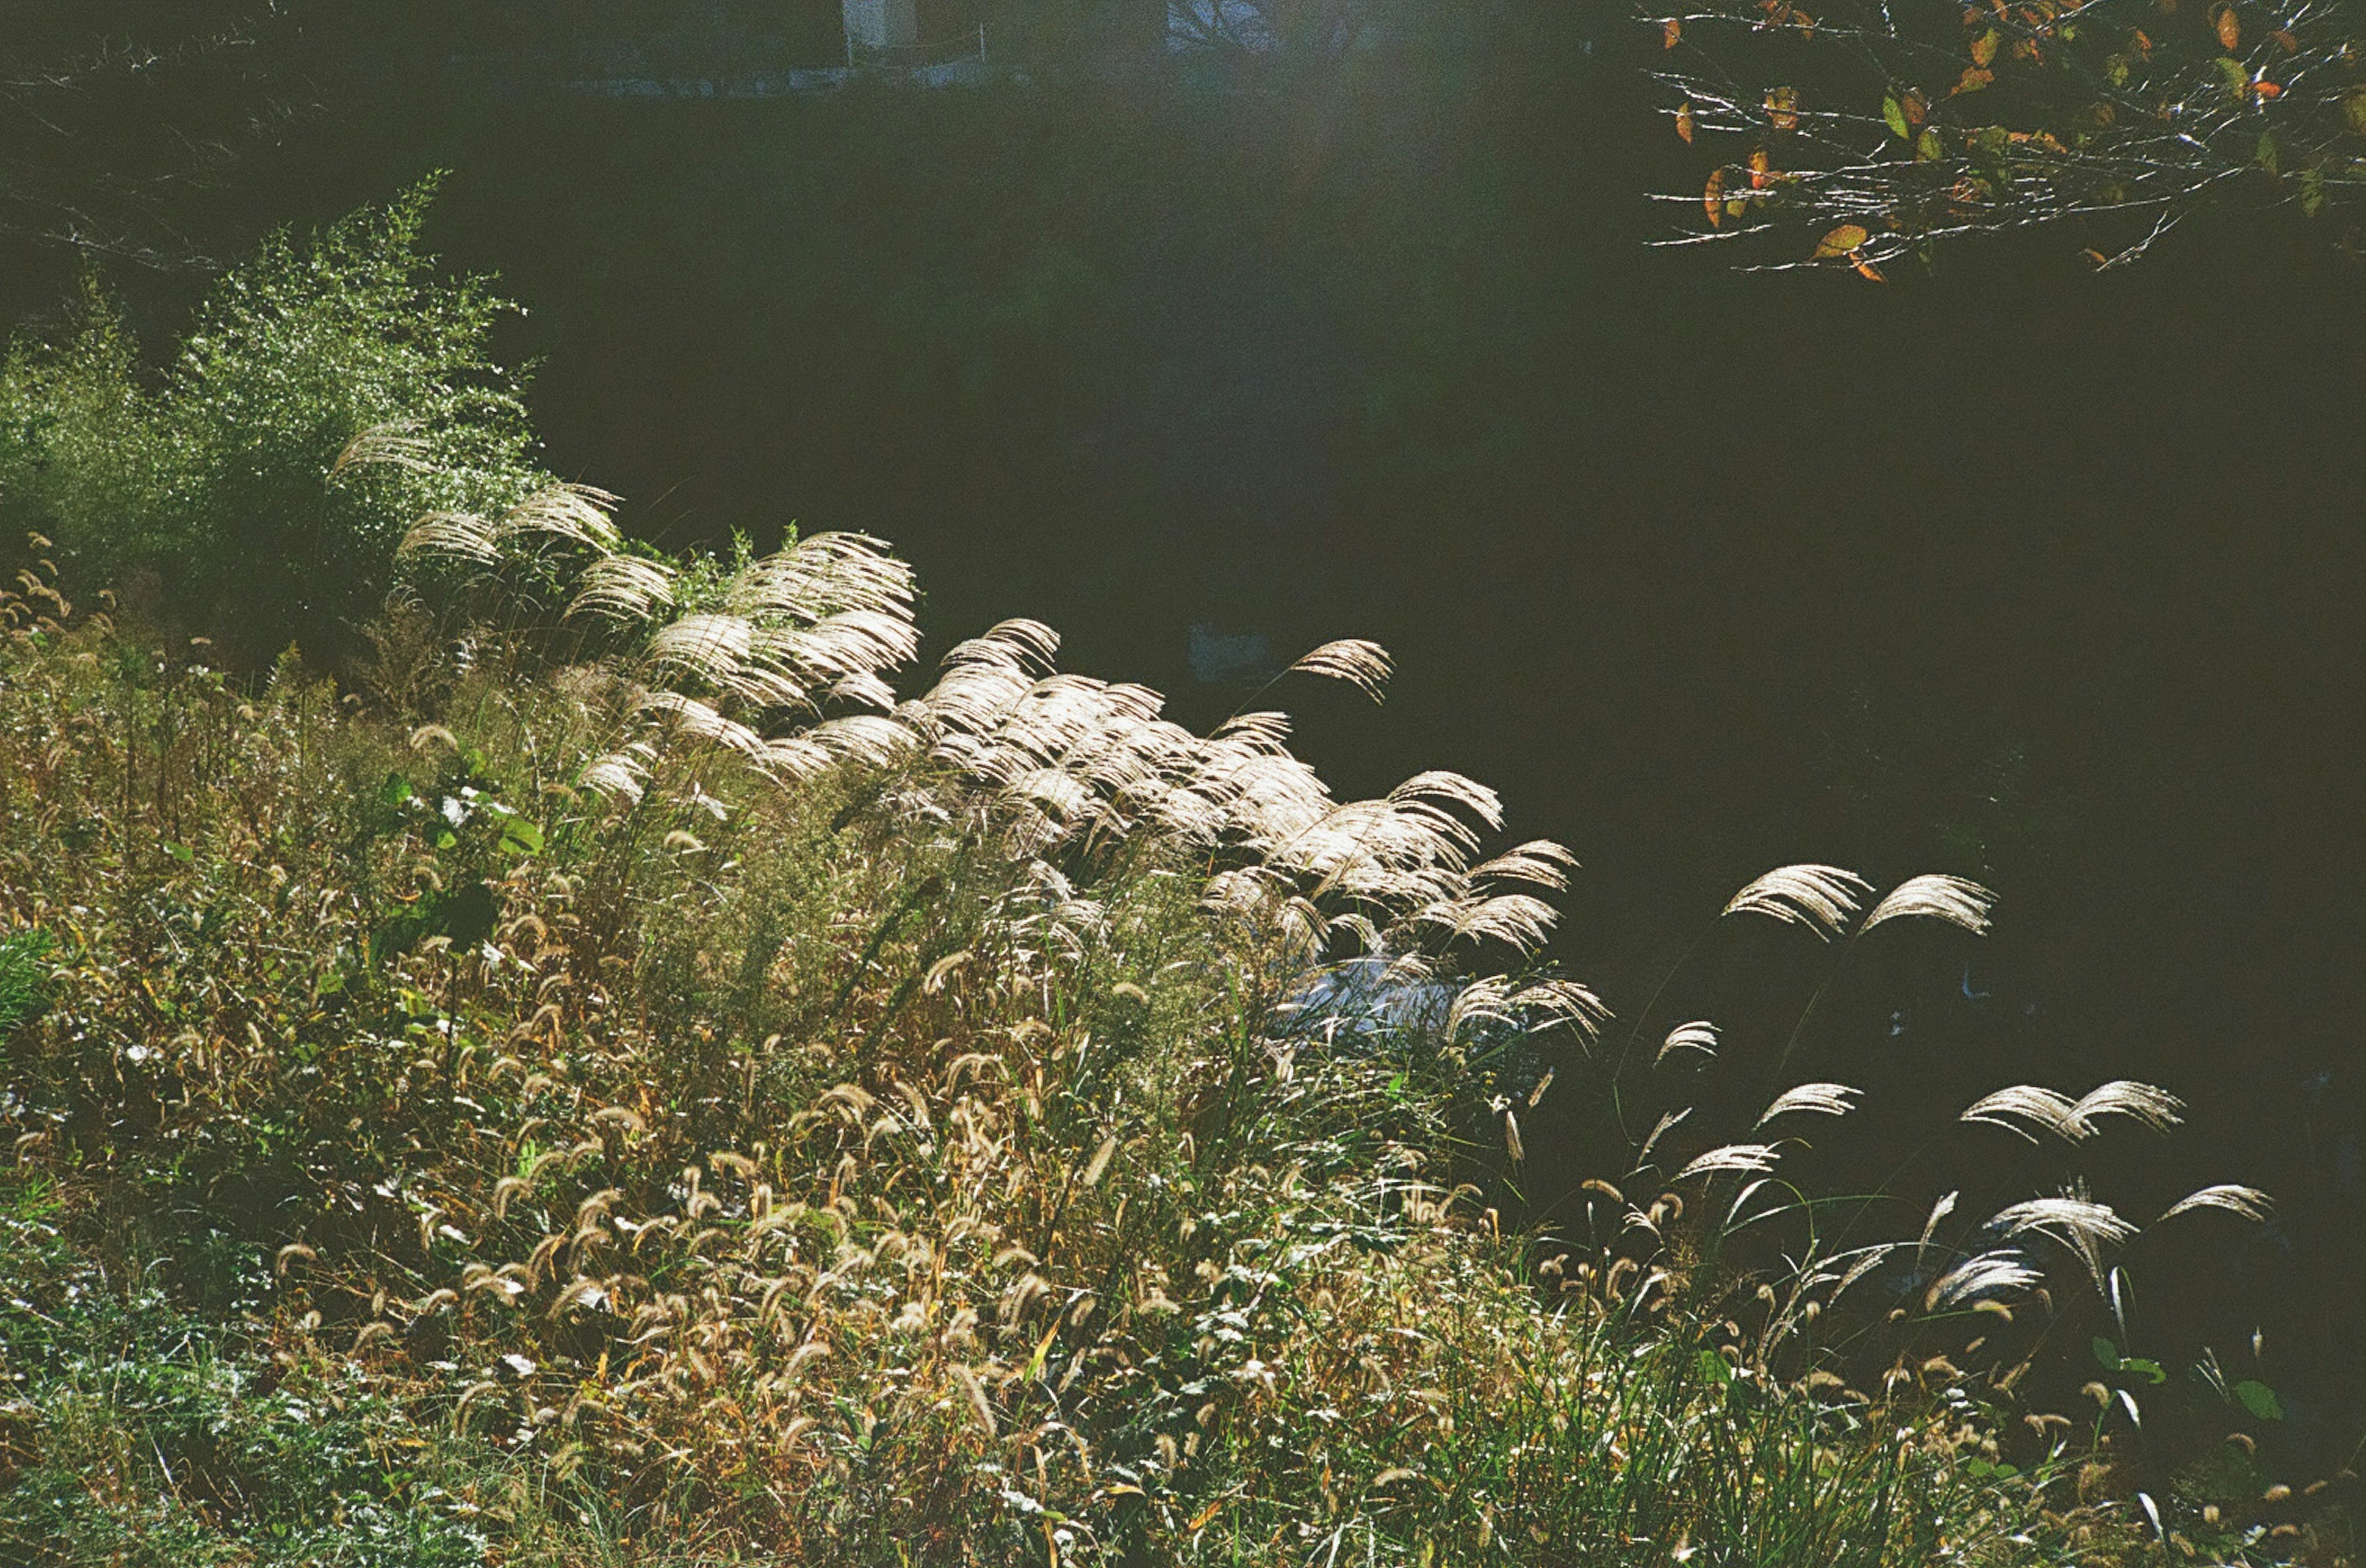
327	395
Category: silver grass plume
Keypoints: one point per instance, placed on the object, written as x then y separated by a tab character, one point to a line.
1754	1159
2156	1108
1823	1098
1666	1122
2028	1102
1937	897
1363	665
1698	1035
1978	1278
2245	1202
396	443
2080	1223
2075	1121
1821	897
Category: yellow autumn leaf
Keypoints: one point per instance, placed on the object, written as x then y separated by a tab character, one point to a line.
1713	198
1684	123
1842	240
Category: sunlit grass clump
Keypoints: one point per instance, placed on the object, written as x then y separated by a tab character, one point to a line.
632	1086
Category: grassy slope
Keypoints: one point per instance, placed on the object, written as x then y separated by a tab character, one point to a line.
423	1160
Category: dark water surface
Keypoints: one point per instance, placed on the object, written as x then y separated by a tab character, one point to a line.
2010	570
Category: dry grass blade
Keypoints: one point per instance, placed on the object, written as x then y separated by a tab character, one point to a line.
1822	1099
1821	897
1363	665
1698	1035
2249	1203
1936	897
1753	1159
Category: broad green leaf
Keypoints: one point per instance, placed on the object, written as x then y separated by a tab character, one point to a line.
2259	1399
2107	1355
1928	150
1894	114
2312	191
2271	157
520	836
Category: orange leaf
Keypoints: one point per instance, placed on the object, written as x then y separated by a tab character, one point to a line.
1917	107
2267	89
2290	44
1671	33
1866	269
1842	240
2230	30
1200	1522
1783	109
1713	198
2098	257
1972	81
2142	41
1684	123
1761	171
1984	48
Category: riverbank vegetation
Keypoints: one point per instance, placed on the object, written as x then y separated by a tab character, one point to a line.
599	1062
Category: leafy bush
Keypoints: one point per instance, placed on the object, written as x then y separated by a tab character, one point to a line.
24	980
326	396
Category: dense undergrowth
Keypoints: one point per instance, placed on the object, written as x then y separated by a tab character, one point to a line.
607	1077
423	1158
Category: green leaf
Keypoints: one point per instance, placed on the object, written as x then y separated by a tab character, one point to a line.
2312	191
2271	157
2238	81
181	852
521	837
396	791
1894	114
1927	150
2151	1372
2107	1355
1714	1369
2259	1399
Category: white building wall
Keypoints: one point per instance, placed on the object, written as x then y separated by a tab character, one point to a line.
882	24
